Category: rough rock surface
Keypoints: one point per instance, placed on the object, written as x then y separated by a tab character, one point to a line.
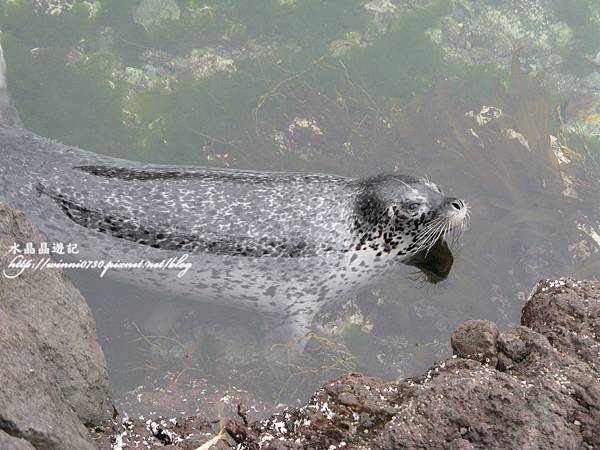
180	410
476	339
53	374
7	442
540	389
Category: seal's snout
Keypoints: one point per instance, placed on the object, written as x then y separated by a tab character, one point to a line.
457	204
457	211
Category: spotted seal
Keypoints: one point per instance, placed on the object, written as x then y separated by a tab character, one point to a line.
281	243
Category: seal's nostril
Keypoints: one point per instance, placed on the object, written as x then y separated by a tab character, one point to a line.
457	204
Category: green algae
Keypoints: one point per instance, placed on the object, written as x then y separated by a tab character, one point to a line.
38	30
583	16
403	62
284	68
584	143
194	116
76	103
225	115
477	84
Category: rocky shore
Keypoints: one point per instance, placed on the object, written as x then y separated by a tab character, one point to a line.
53	375
535	386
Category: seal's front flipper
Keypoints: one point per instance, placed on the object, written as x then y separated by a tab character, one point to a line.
287	340
163	317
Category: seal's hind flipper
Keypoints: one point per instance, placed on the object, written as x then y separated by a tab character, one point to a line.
116	225
165	237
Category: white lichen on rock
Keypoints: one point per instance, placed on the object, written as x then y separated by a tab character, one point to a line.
486	115
206	63
150	13
307	124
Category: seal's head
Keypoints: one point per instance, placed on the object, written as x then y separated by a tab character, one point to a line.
403	215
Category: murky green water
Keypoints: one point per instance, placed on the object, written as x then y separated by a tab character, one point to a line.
497	101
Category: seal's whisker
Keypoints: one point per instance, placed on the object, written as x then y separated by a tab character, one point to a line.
445	231
431	228
467	219
456	235
407	185
442	234
435	238
425	234
427	240
423	239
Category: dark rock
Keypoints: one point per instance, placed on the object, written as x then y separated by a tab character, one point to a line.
7	442
172	393
544	392
53	377
175	433
476	339
348	399
184	410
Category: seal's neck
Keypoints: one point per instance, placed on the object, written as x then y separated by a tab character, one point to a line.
377	232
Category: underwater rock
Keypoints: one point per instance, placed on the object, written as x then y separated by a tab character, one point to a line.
184	394
383	14
499	27
489	32
54	376
543	392
150	13
206	63
160	68
52	7
182	411
582	114
592	81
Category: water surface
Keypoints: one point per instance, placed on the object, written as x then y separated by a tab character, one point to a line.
497	114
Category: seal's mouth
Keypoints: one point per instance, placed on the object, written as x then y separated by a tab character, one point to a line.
454	215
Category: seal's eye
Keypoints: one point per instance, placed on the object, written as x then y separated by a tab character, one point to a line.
413	206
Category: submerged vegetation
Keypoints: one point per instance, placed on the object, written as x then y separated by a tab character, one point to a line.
215	82
499	105
222	82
